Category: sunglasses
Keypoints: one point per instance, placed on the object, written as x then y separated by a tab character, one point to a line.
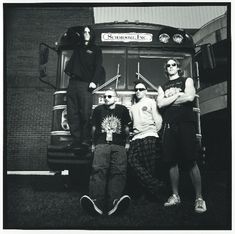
171	65
139	89
108	96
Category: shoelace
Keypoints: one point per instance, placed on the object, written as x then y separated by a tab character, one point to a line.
199	203
172	198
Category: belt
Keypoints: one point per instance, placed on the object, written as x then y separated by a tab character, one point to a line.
109	142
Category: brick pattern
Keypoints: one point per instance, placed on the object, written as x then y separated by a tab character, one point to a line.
29	114
28	101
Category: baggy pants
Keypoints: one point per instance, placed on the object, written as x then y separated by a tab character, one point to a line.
142	158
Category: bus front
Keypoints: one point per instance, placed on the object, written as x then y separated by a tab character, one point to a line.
130	51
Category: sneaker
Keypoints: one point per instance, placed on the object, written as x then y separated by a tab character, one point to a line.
200	205
173	200
120	205
89	205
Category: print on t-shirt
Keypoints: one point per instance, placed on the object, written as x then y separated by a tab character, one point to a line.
172	91
144	108
111	124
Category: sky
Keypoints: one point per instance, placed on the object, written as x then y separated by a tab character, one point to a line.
193	17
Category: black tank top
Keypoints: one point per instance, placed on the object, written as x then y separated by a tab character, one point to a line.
175	113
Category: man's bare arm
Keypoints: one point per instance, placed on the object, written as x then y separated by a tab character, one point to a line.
189	92
163	101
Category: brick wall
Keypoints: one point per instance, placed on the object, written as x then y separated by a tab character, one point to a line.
28	108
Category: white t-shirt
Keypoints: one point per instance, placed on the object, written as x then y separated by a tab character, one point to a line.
142	114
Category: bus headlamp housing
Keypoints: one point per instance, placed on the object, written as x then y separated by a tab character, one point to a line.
164	38
178	38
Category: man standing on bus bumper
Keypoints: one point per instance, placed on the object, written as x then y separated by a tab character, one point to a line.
145	145
110	134
85	71
179	134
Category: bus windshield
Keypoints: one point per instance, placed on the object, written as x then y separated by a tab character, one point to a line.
127	62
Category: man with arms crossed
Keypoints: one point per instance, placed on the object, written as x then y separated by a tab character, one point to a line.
175	99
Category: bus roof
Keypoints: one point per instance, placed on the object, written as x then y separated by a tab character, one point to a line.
126	33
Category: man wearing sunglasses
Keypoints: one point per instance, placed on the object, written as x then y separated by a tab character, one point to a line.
175	99
145	146
110	141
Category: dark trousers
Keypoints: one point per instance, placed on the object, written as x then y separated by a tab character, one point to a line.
142	158
179	142
79	107
108	174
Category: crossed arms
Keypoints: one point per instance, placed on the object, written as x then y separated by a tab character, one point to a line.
179	97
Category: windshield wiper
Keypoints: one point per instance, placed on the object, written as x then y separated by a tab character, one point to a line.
109	81
145	79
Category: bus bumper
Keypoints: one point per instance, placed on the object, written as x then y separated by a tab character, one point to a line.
62	158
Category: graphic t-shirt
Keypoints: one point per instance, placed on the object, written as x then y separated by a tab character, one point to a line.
175	113
110	124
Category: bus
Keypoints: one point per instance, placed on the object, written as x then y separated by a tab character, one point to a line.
131	50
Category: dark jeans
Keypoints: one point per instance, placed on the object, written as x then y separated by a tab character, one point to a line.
79	107
109	169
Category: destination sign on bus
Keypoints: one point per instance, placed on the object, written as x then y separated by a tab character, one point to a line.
127	37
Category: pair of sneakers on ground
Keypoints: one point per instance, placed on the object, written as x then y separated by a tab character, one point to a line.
119	205
199	206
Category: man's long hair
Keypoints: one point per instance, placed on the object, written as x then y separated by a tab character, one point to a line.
92	34
178	64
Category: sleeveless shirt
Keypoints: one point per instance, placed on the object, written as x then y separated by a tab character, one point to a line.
175	113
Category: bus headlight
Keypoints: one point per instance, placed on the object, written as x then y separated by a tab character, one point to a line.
178	38
164	38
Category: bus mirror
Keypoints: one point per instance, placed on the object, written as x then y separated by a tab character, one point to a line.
208	58
43	59
43	55
42	70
